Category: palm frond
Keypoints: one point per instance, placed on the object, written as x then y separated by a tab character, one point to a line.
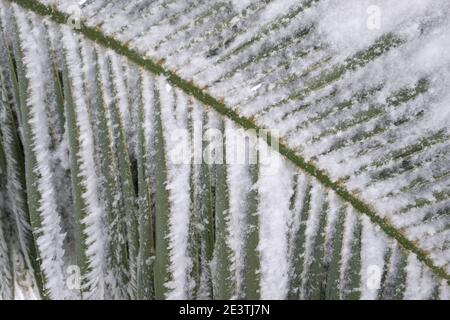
123	151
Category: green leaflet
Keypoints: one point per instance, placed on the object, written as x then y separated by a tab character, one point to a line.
146	254
2	164
299	240
202	222
161	272
78	188
14	188
118	255
350	287
6	261
126	187
12	74
59	93
317	270
195	239
223	280
333	274
33	196
394	285
251	240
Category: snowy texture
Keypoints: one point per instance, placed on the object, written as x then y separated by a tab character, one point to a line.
356	90
94	218
275	191
49	235
174	118
289	64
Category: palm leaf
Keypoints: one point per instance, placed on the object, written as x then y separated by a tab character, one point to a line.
348	197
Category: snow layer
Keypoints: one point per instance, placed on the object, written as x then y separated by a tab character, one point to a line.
357	87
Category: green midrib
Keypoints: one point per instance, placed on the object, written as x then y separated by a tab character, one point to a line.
190	88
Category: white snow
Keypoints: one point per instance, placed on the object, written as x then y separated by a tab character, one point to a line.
94	228
173	116
50	237
243	52
275	190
